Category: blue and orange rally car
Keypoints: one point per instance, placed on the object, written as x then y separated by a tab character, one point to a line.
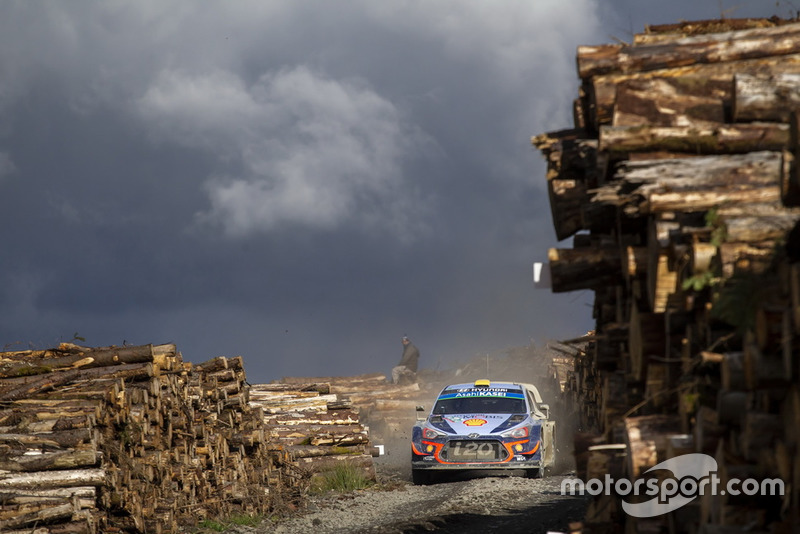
484	425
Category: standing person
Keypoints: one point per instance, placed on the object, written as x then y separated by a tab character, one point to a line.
407	368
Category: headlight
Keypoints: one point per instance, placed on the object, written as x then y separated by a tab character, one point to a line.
429	433
521	432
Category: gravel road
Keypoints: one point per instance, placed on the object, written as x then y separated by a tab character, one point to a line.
464	504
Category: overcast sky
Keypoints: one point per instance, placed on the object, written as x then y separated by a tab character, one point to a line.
297	182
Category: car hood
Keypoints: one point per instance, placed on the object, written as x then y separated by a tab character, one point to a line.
465	424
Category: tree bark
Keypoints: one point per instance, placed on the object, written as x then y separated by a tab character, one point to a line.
572	269
53	479
602	90
678	102
50	461
694	184
710	48
765	98
620	141
571	171
647	438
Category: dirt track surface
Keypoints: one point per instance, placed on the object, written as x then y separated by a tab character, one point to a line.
506	504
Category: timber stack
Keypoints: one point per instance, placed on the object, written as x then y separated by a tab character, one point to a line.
134	439
380	409
680	185
318	426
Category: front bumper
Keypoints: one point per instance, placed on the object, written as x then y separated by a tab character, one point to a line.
460	453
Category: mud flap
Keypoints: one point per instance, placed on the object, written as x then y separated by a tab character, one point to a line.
549	443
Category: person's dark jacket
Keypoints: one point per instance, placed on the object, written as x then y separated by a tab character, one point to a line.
410	357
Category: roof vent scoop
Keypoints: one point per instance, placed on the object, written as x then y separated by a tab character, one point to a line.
482	383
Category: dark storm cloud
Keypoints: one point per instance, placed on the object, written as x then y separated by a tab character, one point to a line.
298	182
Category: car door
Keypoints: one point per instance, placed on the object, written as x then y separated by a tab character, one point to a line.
548	432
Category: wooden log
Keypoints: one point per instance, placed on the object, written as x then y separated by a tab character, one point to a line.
52	440
67	355
320	435
790	411
759	228
732	372
679	102
658	384
647	438
765	98
679	444
218	363
571	171
695	184
85	495
710	48
761	370
620	141
791	184
318	402
634	262
368	378
661	278
664	33
342	417
606	459
583	268
794	295
730	407
646	338
69	459
309	451
45	514
707	430
602	90
759	432
52	479
753	258
330	439
47	382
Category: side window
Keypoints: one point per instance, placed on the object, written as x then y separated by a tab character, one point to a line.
531	404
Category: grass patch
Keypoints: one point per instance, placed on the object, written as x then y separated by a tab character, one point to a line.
341	478
212	525
246	520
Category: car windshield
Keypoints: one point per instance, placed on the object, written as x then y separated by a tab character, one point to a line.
479	405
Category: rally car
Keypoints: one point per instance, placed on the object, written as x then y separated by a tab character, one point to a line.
484	425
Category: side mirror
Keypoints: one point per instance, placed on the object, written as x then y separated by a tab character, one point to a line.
420	412
420	408
545	408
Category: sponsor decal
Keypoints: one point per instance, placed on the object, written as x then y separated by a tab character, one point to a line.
498	392
475	422
463	418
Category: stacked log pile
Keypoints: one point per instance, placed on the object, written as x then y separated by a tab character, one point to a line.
680	186
385	411
317	427
130	439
